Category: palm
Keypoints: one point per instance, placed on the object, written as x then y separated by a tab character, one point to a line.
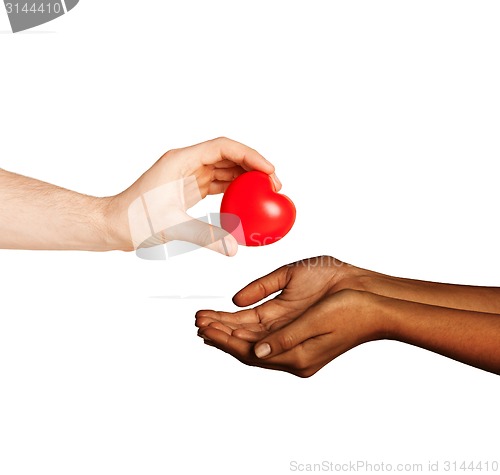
301	286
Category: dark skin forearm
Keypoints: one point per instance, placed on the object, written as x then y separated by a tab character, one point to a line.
465	297
468	336
458	321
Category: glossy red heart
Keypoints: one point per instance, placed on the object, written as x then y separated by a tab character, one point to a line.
264	215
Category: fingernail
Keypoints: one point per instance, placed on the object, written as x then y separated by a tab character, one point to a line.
263	350
277	180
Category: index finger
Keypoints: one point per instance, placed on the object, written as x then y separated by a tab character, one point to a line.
241	317
222	149
248	158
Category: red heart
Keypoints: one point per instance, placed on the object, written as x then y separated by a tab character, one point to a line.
265	216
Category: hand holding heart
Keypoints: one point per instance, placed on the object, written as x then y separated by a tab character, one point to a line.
150	212
154	209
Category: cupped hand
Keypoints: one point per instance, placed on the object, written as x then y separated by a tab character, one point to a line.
330	327
305	326
300	285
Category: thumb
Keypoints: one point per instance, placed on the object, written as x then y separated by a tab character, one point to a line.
205	235
308	325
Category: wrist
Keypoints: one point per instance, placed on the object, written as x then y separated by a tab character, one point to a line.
348	277
373	312
365	280
113	225
386	313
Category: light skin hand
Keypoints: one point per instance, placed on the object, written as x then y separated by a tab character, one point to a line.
200	170
38	215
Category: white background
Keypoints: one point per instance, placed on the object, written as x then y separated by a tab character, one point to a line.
383	121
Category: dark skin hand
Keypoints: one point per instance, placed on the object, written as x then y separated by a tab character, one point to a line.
326	307
308	287
300	288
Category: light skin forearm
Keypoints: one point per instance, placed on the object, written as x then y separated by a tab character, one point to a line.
152	211
40	216
468	336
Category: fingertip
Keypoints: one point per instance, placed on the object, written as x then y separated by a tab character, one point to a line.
237	299
203	318
242	298
203	313
270	167
202	322
206	339
229	245
202	333
276	181
262	350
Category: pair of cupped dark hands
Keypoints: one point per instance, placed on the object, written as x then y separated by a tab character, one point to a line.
318	314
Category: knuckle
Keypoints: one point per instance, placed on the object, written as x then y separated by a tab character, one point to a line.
262	288
221	140
303	367
286	272
301	362
286	340
350	297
